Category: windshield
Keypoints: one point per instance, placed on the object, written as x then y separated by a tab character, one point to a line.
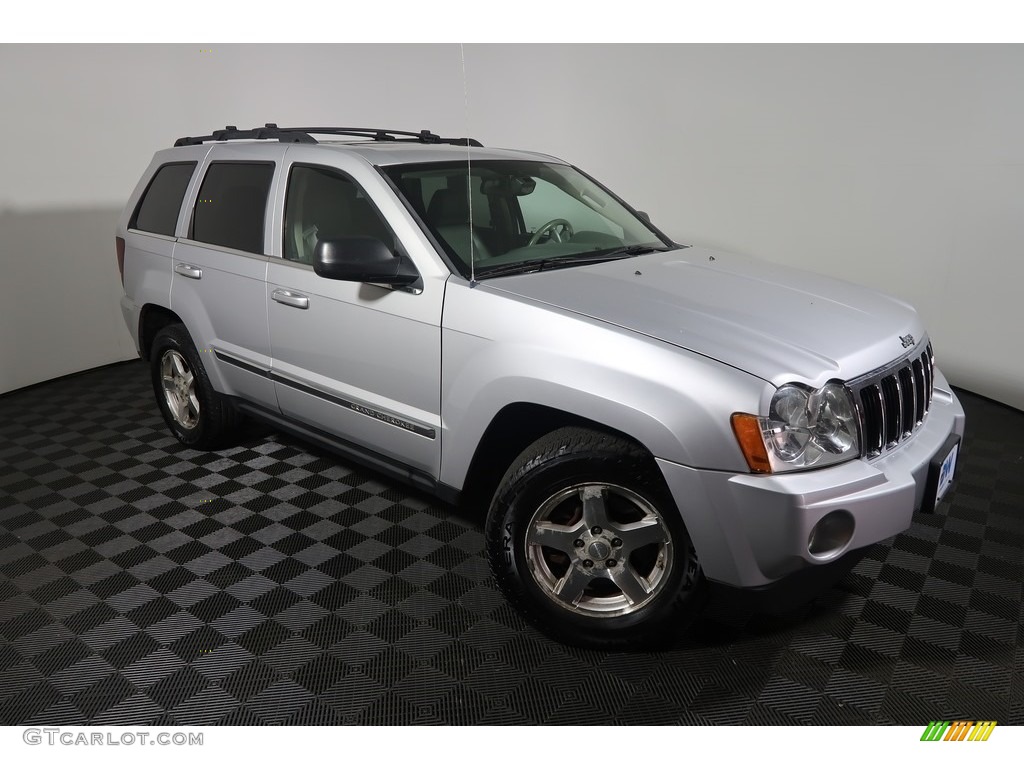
527	213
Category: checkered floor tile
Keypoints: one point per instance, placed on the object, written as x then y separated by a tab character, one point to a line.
144	583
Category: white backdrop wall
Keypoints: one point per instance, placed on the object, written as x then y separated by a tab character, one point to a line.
899	167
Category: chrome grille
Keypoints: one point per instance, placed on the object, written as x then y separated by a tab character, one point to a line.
892	402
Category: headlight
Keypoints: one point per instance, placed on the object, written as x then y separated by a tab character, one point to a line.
804	428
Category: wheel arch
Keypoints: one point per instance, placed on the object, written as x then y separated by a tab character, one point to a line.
152	319
509	432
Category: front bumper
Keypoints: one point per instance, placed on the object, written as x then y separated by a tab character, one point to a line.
751	530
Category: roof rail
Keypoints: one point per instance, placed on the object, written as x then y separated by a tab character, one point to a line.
304	135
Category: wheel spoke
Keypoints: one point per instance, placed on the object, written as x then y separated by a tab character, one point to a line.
630	582
189	378
560	537
179	369
570	587
595	510
193	403
641	533
168	381
174	401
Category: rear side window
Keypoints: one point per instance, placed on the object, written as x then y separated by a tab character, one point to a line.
158	209
232	204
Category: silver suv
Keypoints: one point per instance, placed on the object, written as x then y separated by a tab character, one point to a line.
635	418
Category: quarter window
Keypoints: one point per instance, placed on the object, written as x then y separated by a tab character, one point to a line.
158	209
323	205
232	205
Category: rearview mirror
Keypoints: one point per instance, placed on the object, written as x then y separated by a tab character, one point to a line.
508	185
362	260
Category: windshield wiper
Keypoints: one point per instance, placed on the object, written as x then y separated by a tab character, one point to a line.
634	250
555	262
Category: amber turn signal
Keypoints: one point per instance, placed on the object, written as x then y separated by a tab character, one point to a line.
748	432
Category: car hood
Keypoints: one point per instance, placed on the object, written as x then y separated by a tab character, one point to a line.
777	323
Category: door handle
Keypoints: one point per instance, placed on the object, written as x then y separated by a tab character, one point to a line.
292	299
187	270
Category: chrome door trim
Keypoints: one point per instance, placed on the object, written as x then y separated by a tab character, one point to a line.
393	419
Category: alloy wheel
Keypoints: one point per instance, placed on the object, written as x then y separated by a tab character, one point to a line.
599	549
179	386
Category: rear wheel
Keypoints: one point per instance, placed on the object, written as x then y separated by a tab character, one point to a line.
196	414
584	538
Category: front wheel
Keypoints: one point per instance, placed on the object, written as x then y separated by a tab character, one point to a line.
585	540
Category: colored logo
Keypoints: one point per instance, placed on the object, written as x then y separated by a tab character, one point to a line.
960	730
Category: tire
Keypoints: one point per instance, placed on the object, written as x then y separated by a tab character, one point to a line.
196	414
634	583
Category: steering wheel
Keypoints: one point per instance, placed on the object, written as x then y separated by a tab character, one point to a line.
552	227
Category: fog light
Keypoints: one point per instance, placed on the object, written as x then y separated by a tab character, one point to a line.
831	534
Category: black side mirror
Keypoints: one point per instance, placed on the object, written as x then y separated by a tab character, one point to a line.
362	260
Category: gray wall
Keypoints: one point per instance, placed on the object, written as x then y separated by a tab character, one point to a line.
899	167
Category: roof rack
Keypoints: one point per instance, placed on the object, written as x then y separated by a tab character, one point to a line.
303	135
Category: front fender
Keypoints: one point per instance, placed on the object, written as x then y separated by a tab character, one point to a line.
499	350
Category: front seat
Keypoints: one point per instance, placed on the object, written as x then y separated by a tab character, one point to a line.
448	212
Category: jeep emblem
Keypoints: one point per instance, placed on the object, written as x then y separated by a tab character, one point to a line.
907	341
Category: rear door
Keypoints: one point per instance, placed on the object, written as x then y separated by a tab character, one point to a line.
150	231
220	268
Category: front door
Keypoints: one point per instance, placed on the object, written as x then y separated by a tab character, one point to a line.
358	361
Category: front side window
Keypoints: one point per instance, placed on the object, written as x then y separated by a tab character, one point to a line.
158	209
323	204
232	205
504	216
